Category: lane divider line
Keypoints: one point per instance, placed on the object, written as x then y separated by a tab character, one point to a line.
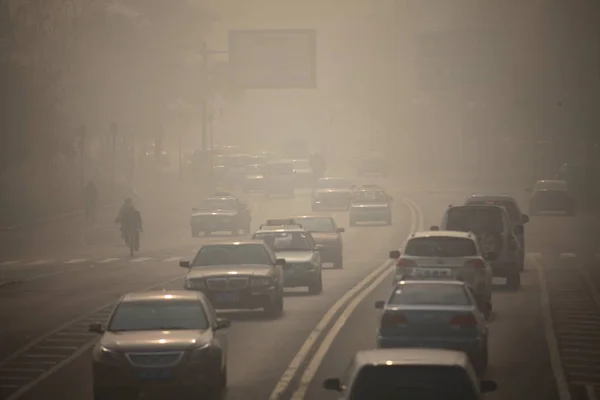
289	374
551	340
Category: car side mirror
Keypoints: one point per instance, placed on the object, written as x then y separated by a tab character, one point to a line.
96	327
184	264
280	261
519	229
395	254
341	230
488	386
333	384
491	256
525	218
222	323
379	304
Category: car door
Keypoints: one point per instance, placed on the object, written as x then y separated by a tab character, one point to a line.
313	245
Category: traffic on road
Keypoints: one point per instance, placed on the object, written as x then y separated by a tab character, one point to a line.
327	287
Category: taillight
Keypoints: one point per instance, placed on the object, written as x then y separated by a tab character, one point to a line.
464	320
405	263
476	263
390	320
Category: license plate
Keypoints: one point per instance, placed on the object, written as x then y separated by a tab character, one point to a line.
432	272
154	374
227	297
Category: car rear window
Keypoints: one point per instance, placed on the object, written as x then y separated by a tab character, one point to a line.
510	206
393	382
440	247
475	219
429	294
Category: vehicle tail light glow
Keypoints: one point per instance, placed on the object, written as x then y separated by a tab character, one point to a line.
466	320
402	262
476	263
391	320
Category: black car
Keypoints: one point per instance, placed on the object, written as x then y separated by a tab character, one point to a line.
162	342
370	205
238	275
221	212
551	196
332	194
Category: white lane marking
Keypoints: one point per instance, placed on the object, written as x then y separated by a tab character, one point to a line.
591	392
172	259
108	260
555	360
319	356
40	262
416	222
58	366
7	263
568	255
76	261
141	259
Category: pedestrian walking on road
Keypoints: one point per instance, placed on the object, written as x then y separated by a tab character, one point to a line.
90	201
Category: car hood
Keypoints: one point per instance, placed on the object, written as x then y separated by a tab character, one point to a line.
369	205
228	270
326	191
155	341
295	256
325	237
216	213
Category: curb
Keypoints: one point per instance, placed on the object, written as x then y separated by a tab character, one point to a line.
60	216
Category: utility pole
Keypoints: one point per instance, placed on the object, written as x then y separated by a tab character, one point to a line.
82	135
114	129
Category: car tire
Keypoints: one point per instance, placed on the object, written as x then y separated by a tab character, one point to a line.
274	309
513	281
222	382
316	287
338	263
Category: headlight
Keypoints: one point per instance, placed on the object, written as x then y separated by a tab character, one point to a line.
197	284
198	353
104	354
261	281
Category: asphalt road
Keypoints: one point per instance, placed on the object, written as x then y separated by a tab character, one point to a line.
530	328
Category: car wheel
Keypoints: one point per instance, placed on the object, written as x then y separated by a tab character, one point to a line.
513	281
317	286
222	384
338	263
274	309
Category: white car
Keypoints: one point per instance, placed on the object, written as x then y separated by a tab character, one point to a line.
446	255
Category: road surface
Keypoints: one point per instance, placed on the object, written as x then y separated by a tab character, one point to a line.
533	338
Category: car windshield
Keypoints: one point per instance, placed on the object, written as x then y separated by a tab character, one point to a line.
218	204
280	168
475	219
550	185
440	247
429	294
333	183
234	254
394	382
370	196
285	241
301	164
159	315
511	207
317	224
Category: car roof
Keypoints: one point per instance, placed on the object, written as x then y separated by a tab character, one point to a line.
455	234
500	197
154	295
234	242
414	356
281	228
